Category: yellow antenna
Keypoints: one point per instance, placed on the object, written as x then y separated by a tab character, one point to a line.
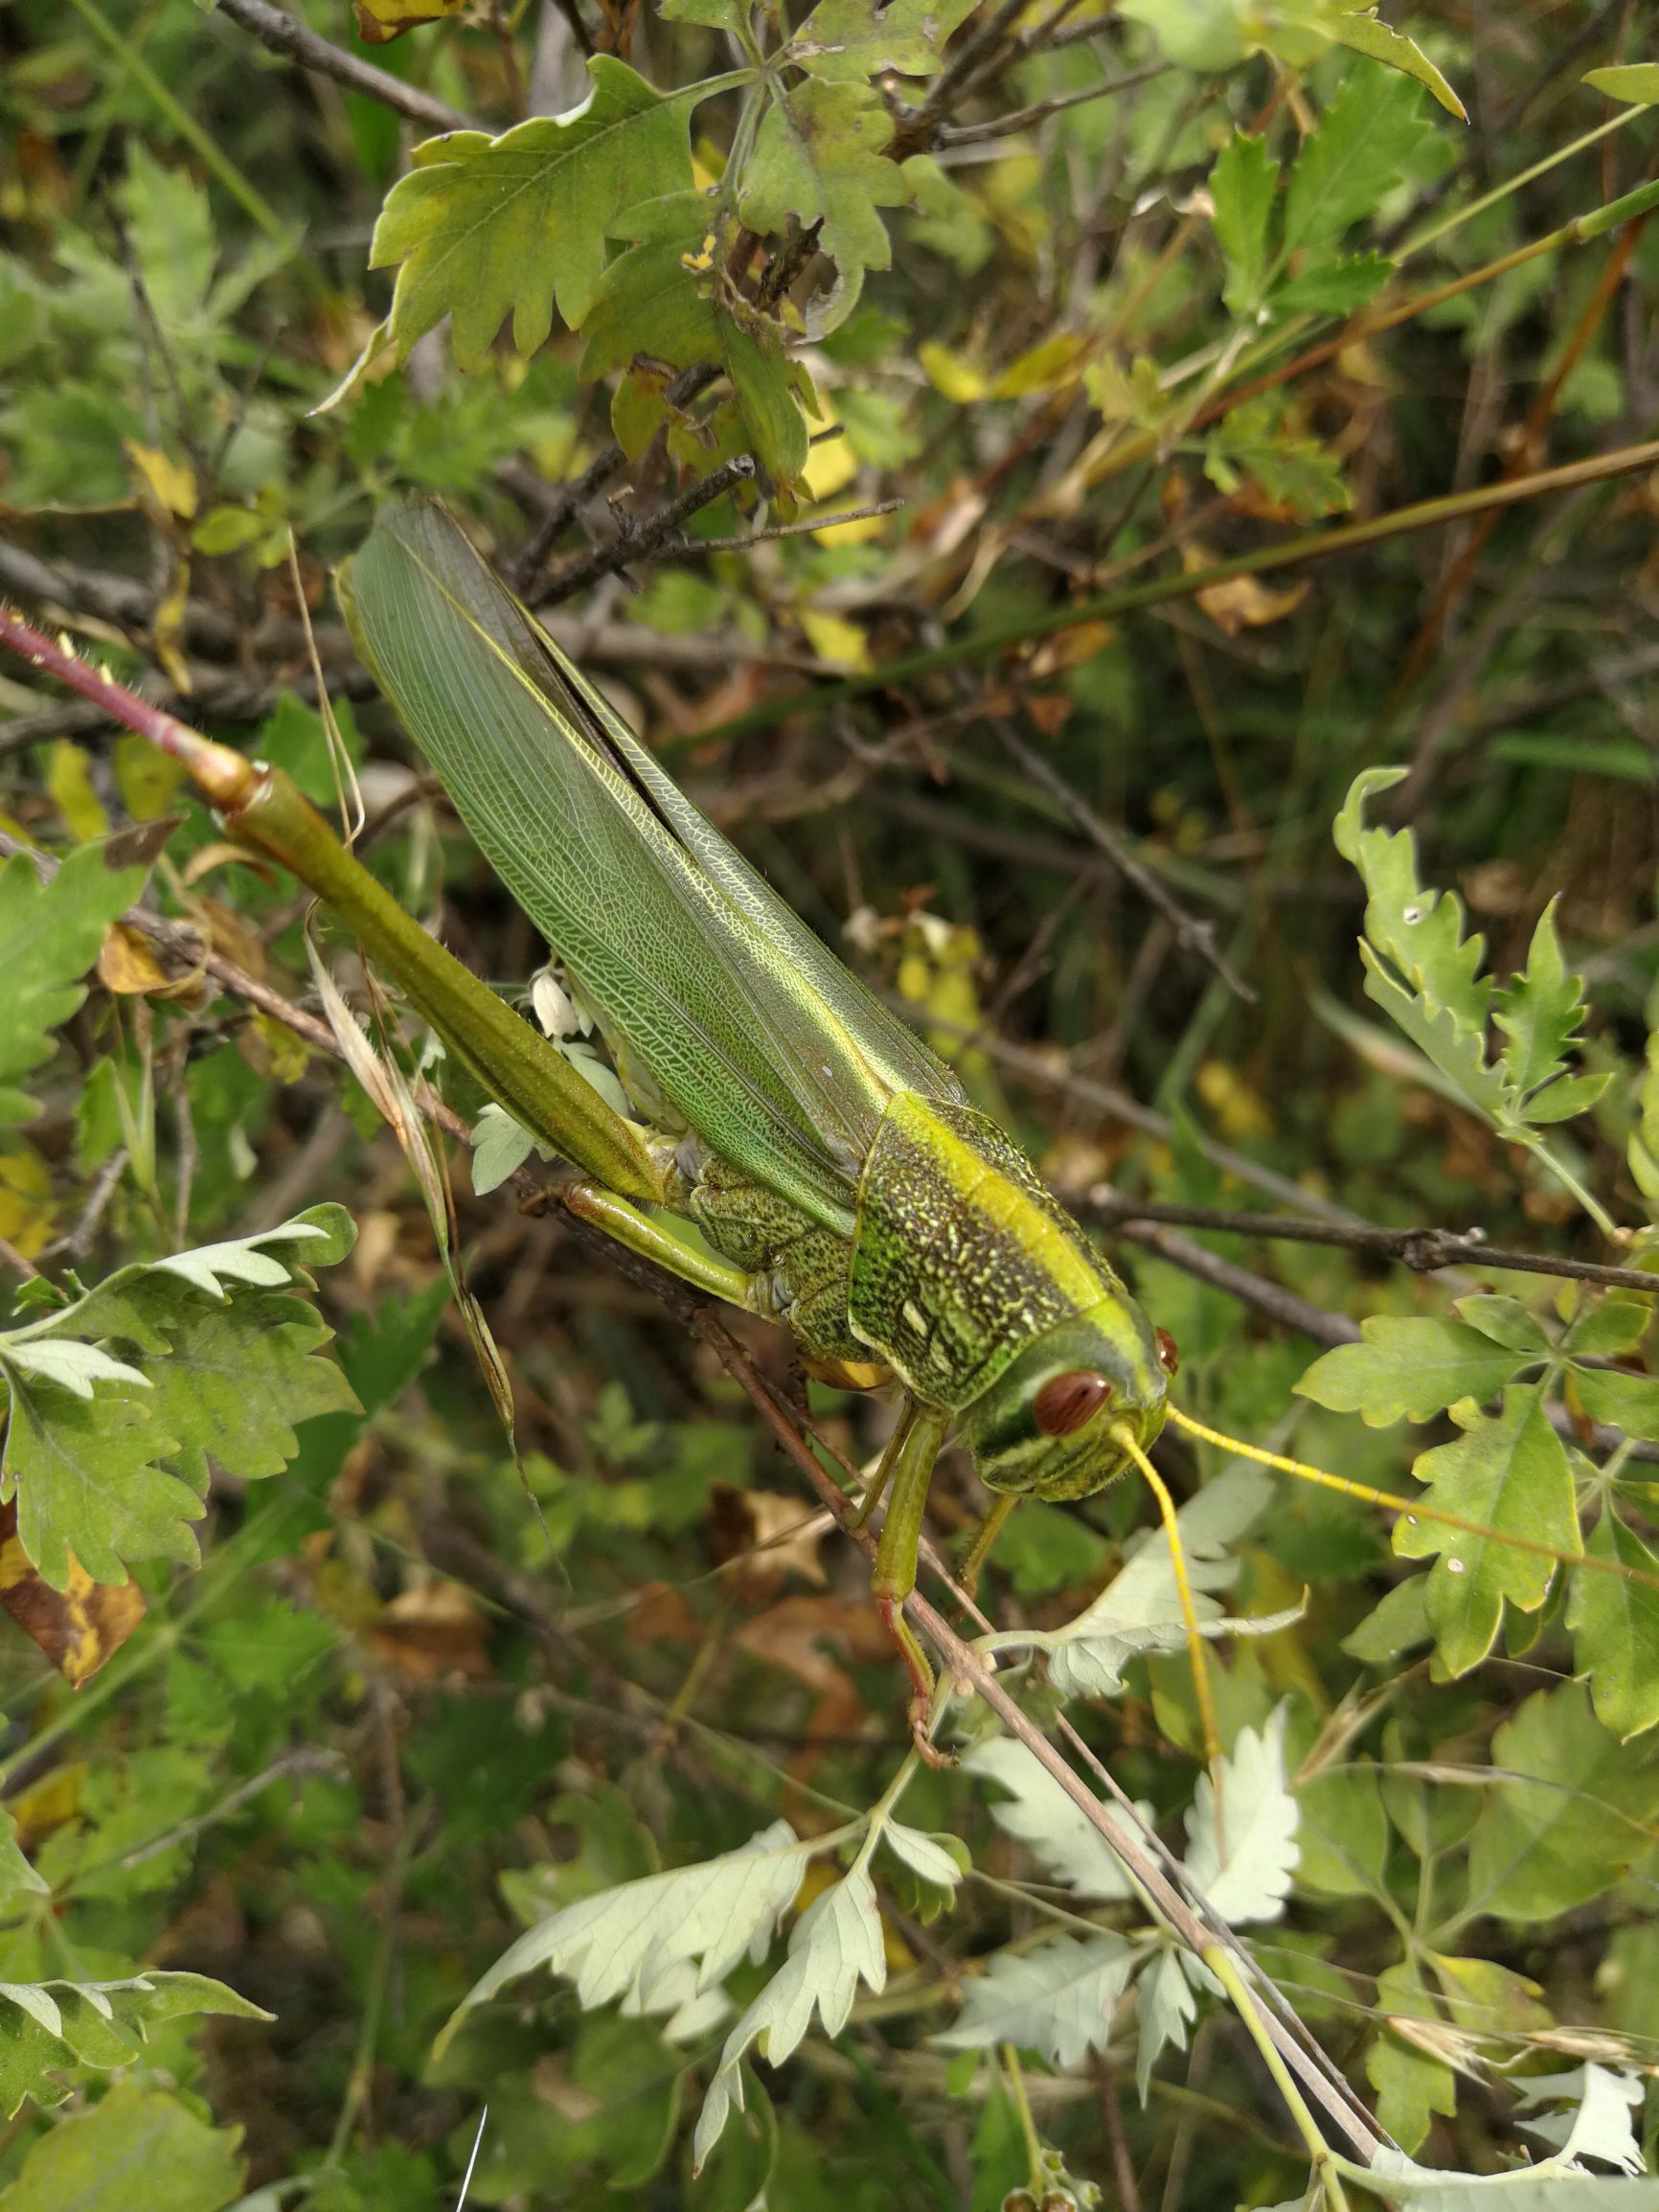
1123	1436
1413	1509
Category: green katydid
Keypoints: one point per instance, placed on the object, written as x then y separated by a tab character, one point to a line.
843	1185
828	1157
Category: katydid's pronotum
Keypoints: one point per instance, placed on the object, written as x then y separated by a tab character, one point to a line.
841	1181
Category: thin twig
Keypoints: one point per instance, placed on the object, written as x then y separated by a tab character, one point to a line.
10	1257
642	540
284	34
744	540
915	129
1192	935
1272	1299
1039	110
1423	1250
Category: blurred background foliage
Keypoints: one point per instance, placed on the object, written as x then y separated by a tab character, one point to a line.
415	1696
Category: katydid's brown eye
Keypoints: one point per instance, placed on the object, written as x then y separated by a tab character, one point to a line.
1169	1357
1065	1401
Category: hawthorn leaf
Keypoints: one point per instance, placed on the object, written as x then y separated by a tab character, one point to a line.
76	1367
1409	1368
1413	2085
1141	1610
1615	1630
1611	1328
1629	1401
1292	468
857	39
625	1940
819	155
87	1477
1166	2005
17	1878
1332	287
1635	82
104	1455
924	1855
1566	1097
1540	1010
108	2159
1599	2124
1358	28
52	932
660	299
500	1148
49	2029
1058	1999
482	228
1506	1321
1355	155
1243	183
1512	1475
1241	1850
729	15
1039	1814
1567	1814
836	1944
1417	930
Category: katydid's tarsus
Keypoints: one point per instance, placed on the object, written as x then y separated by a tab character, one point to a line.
834	1164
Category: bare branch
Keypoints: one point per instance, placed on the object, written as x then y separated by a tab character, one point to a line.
1191	935
284	34
637	541
1024	118
1423	1251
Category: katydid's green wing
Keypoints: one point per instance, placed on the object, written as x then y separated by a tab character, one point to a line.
753	1031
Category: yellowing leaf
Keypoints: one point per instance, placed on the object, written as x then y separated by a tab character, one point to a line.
69	780
27	1216
127	963
379	21
167	630
146	779
1242	602
833	639
80	1627
1052	366
952	375
170	484
831	466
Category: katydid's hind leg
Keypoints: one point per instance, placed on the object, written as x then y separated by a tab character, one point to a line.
908	1462
624	1222
984	1537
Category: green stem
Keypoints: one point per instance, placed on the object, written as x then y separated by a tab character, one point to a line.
1568	1181
1034	2147
1291	553
1463	215
246	197
1224	1966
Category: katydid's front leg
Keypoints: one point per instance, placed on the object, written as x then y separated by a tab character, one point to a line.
905	1472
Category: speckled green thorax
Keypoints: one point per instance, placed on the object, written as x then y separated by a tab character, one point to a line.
959	1255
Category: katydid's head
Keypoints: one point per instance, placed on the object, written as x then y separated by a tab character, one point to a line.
1045	1428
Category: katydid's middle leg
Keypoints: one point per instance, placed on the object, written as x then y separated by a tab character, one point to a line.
624	1222
908	1464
